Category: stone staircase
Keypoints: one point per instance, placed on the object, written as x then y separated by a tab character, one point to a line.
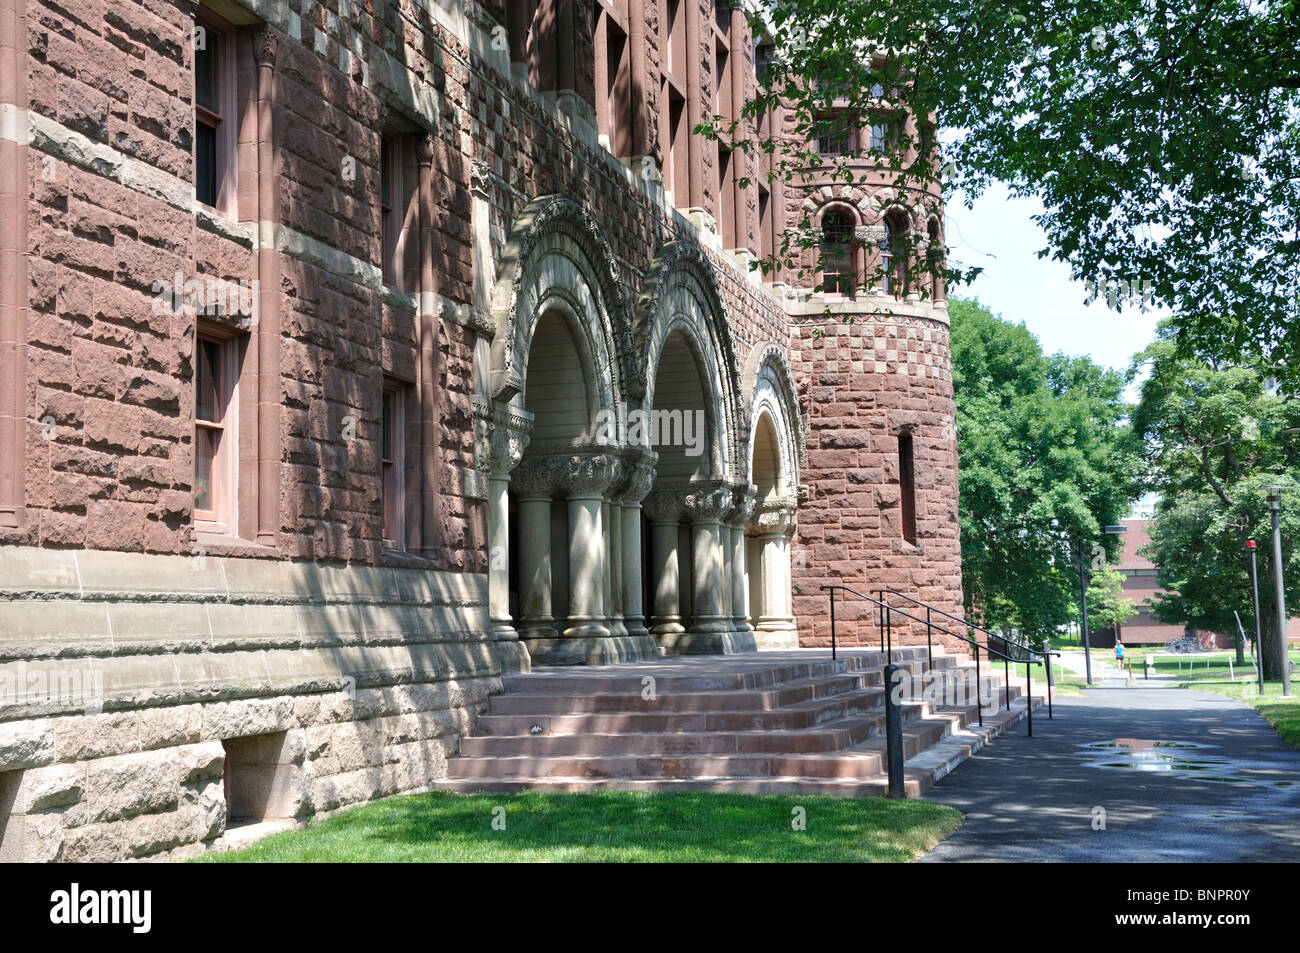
774	723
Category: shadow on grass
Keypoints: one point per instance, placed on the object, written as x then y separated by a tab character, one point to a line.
614	826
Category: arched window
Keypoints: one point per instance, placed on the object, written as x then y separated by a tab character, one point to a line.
838	275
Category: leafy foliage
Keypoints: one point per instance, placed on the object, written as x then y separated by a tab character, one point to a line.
1045	460
1216	439
1163	139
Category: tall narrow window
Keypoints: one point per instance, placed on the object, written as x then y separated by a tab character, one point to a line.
893	259
838	277
907	487
215	434
613	80
726	198
214	124
880	136
398	175
392	456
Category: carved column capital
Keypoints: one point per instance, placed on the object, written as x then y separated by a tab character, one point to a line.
424	149
775	517
500	436
707	501
265	43
664	505
743	497
638	475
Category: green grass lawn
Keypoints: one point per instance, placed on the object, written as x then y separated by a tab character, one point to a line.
1192	667
614	826
1064	682
1282	714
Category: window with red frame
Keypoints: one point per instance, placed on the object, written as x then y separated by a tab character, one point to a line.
216	374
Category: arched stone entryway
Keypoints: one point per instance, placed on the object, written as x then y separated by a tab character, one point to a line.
700	499
560	475
775	452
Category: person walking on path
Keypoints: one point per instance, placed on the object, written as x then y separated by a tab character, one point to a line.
1119	655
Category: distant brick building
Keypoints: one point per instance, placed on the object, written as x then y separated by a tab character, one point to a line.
325	328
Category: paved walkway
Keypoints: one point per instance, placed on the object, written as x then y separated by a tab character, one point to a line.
1232	794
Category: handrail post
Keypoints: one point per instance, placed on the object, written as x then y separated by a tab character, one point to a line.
831	590
1047	660
1006	678
889	634
1029	698
979	682
929	648
881	594
894	730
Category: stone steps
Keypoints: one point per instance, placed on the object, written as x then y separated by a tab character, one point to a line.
774	722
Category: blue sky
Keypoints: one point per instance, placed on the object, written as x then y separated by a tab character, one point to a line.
999	234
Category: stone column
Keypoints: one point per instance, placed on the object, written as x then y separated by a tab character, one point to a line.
586	479
664	508
507	436
533	489
614	567
743	509
640	479
773	526
711	628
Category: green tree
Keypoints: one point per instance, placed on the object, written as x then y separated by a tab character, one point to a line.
1044	461
1108	608
1163	139
1216	438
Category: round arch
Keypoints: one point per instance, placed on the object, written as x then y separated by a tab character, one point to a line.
680	296
557	257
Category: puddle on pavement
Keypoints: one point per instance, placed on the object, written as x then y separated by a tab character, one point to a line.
1167	757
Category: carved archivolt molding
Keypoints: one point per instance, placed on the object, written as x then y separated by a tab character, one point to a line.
681	287
769	383
554	234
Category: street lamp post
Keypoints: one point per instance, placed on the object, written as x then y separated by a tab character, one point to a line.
1254	601
1083	601
1274	510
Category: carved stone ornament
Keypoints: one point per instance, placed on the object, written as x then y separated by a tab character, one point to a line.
743	497
708	501
776	516
480	177
501	436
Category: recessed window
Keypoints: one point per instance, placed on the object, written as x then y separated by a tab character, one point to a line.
613	81
838	277
835	137
907	487
893	257
214	123
216	372
393	464
398	175
259	779
880	136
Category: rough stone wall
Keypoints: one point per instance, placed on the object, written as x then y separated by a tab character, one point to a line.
865	383
203	643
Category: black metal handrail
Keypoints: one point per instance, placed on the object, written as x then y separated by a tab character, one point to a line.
969	624
887	645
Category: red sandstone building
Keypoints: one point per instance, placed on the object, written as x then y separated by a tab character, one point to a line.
324	332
